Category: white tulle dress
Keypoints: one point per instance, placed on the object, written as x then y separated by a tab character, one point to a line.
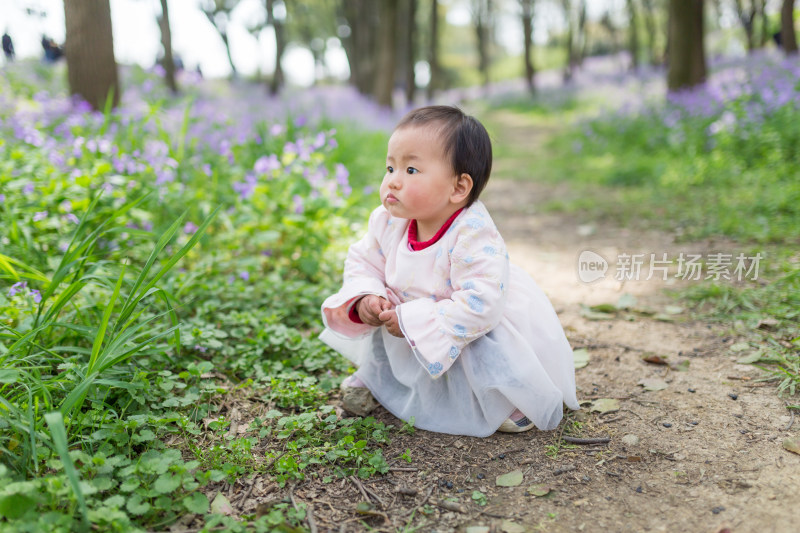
481	338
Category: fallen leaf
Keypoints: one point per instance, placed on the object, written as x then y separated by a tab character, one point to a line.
654	359
683	366
626	301
507	526
653	384
512	479
539	490
768	324
221	505
580	357
364	508
605	405
752	357
664	317
673	310
604	308
589	314
793	445
740	347
477	529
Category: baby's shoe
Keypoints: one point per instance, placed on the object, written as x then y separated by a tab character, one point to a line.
356	397
516	423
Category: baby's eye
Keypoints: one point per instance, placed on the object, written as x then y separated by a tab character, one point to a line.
412	170
389	170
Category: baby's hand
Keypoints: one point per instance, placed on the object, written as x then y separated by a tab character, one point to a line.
389	319
369	307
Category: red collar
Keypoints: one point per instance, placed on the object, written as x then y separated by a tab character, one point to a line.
415	245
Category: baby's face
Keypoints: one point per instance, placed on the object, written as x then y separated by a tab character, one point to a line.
419	181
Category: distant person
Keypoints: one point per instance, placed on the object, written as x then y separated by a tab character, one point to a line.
52	52
444	330
8	47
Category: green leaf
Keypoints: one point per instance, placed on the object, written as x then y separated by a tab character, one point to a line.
196	502
8	375
221	505
55	421
511	479
653	384
166	483
580	357
15	505
750	358
626	301
539	490
137	506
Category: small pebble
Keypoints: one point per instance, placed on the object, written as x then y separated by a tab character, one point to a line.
717	510
692	390
449	484
733	395
743	431
586	478
501	456
694	422
480	476
667	425
639	489
460	490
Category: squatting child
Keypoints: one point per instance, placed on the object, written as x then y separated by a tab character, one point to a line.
440	325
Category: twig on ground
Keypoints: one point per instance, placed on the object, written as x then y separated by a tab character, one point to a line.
359	486
450	506
312	525
563	469
486	513
596	440
406	491
403	469
249	491
366	491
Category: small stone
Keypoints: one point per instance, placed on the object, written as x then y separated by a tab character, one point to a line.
667	425
501	456
630	440
717	510
694	422
639	489
692	390
743	431
733	395
449	484
480	476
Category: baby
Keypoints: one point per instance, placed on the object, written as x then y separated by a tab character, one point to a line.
443	329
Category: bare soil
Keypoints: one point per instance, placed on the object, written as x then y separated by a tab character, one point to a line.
704	454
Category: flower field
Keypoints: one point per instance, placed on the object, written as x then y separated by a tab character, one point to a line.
154	261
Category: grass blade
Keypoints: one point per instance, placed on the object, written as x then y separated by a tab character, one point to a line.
55	422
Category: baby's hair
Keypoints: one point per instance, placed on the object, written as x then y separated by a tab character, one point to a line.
464	139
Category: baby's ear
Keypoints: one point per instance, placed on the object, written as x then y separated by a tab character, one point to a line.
462	189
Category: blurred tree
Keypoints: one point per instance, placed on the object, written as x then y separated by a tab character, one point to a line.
788	37
387	52
765	33
576	41
89	46
633	35
687	57
747	17
526	13
277	23
433	50
166	42
482	17
218	13
408	48
651	26
311	23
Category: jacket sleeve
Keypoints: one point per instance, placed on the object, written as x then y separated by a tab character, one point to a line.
437	331
364	273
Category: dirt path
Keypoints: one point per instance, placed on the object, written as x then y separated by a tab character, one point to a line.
702	454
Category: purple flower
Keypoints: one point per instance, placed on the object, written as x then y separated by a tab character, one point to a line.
276	129
72	218
342	174
297	200
41	215
266	164
207	170
17	287
300	121
37	297
28	188
165	175
245	275
2	198
189	228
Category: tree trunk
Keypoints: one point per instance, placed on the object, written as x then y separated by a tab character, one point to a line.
361	45
89	48
166	42
788	36
276	82
633	34
582	35
410	59
687	59
481	13
567	5
746	17
387	54
433	52
527	31
765	34
650	24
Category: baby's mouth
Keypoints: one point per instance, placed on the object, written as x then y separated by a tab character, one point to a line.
391	199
